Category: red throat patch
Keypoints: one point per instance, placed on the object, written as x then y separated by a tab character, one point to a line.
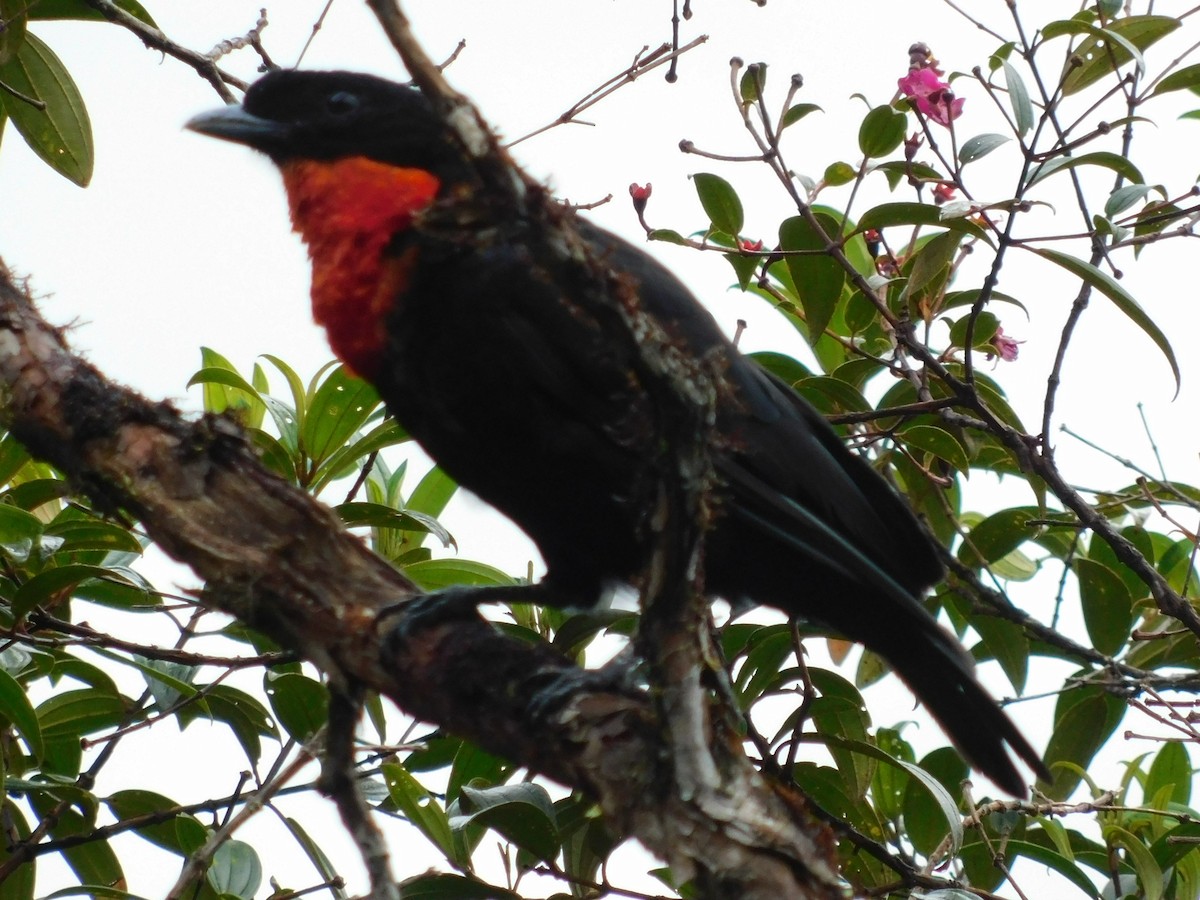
347	212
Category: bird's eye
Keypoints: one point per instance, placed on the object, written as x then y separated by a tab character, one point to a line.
341	103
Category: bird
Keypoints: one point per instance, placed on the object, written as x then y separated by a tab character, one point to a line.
488	355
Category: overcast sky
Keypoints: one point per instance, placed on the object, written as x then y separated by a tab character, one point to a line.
182	241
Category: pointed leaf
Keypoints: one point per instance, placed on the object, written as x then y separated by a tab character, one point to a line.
1127	195
82	11
52	584
1107	605
1185	79
798	112
882	131
1106	49
1103	158
18	711
61	133
14	16
818	277
337	410
419	807
887	214
980	146
1108	286
1018	97
720	202
235	870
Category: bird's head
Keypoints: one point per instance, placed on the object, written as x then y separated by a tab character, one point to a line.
328	116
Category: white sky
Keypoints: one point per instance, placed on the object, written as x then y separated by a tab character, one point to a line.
182	241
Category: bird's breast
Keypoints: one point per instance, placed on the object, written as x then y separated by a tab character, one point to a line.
348	212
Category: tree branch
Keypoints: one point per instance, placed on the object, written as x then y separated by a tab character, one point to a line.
280	561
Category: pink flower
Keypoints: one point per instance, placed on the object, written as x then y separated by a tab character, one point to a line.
750	246
931	96
943	193
640	195
1006	347
912	145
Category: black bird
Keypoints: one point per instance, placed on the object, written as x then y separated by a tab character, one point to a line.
486	352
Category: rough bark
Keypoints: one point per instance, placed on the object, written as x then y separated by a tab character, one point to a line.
280	561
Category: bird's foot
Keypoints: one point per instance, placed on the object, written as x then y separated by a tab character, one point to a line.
616	677
430	610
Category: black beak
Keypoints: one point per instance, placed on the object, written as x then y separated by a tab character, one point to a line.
232	123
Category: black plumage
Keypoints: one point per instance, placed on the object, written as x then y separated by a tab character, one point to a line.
499	368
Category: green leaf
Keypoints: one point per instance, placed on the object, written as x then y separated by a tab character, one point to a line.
1083	720
317	857
720	202
168	682
968	298
765	654
744	266
1108	286
938	442
474	765
1127	195
81	10
522	813
832	395
300	703
930	812
79	712
839	173
13	19
667	236
246	717
420	807
1149	873
446	886
754	81
16	709
1008	645
387	433
1102	158
931	264
181	833
980	146
898	170
225	390
376	515
1018	97
93	534
20	883
74	814
1185	79
13	458
1107	605
435	574
797	112
887	214
818	276
432	493
1171	771
60	133
882	131
986	326
340	406
997	535
53	584
235	870
295	385
841	719
20	532
1106	49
